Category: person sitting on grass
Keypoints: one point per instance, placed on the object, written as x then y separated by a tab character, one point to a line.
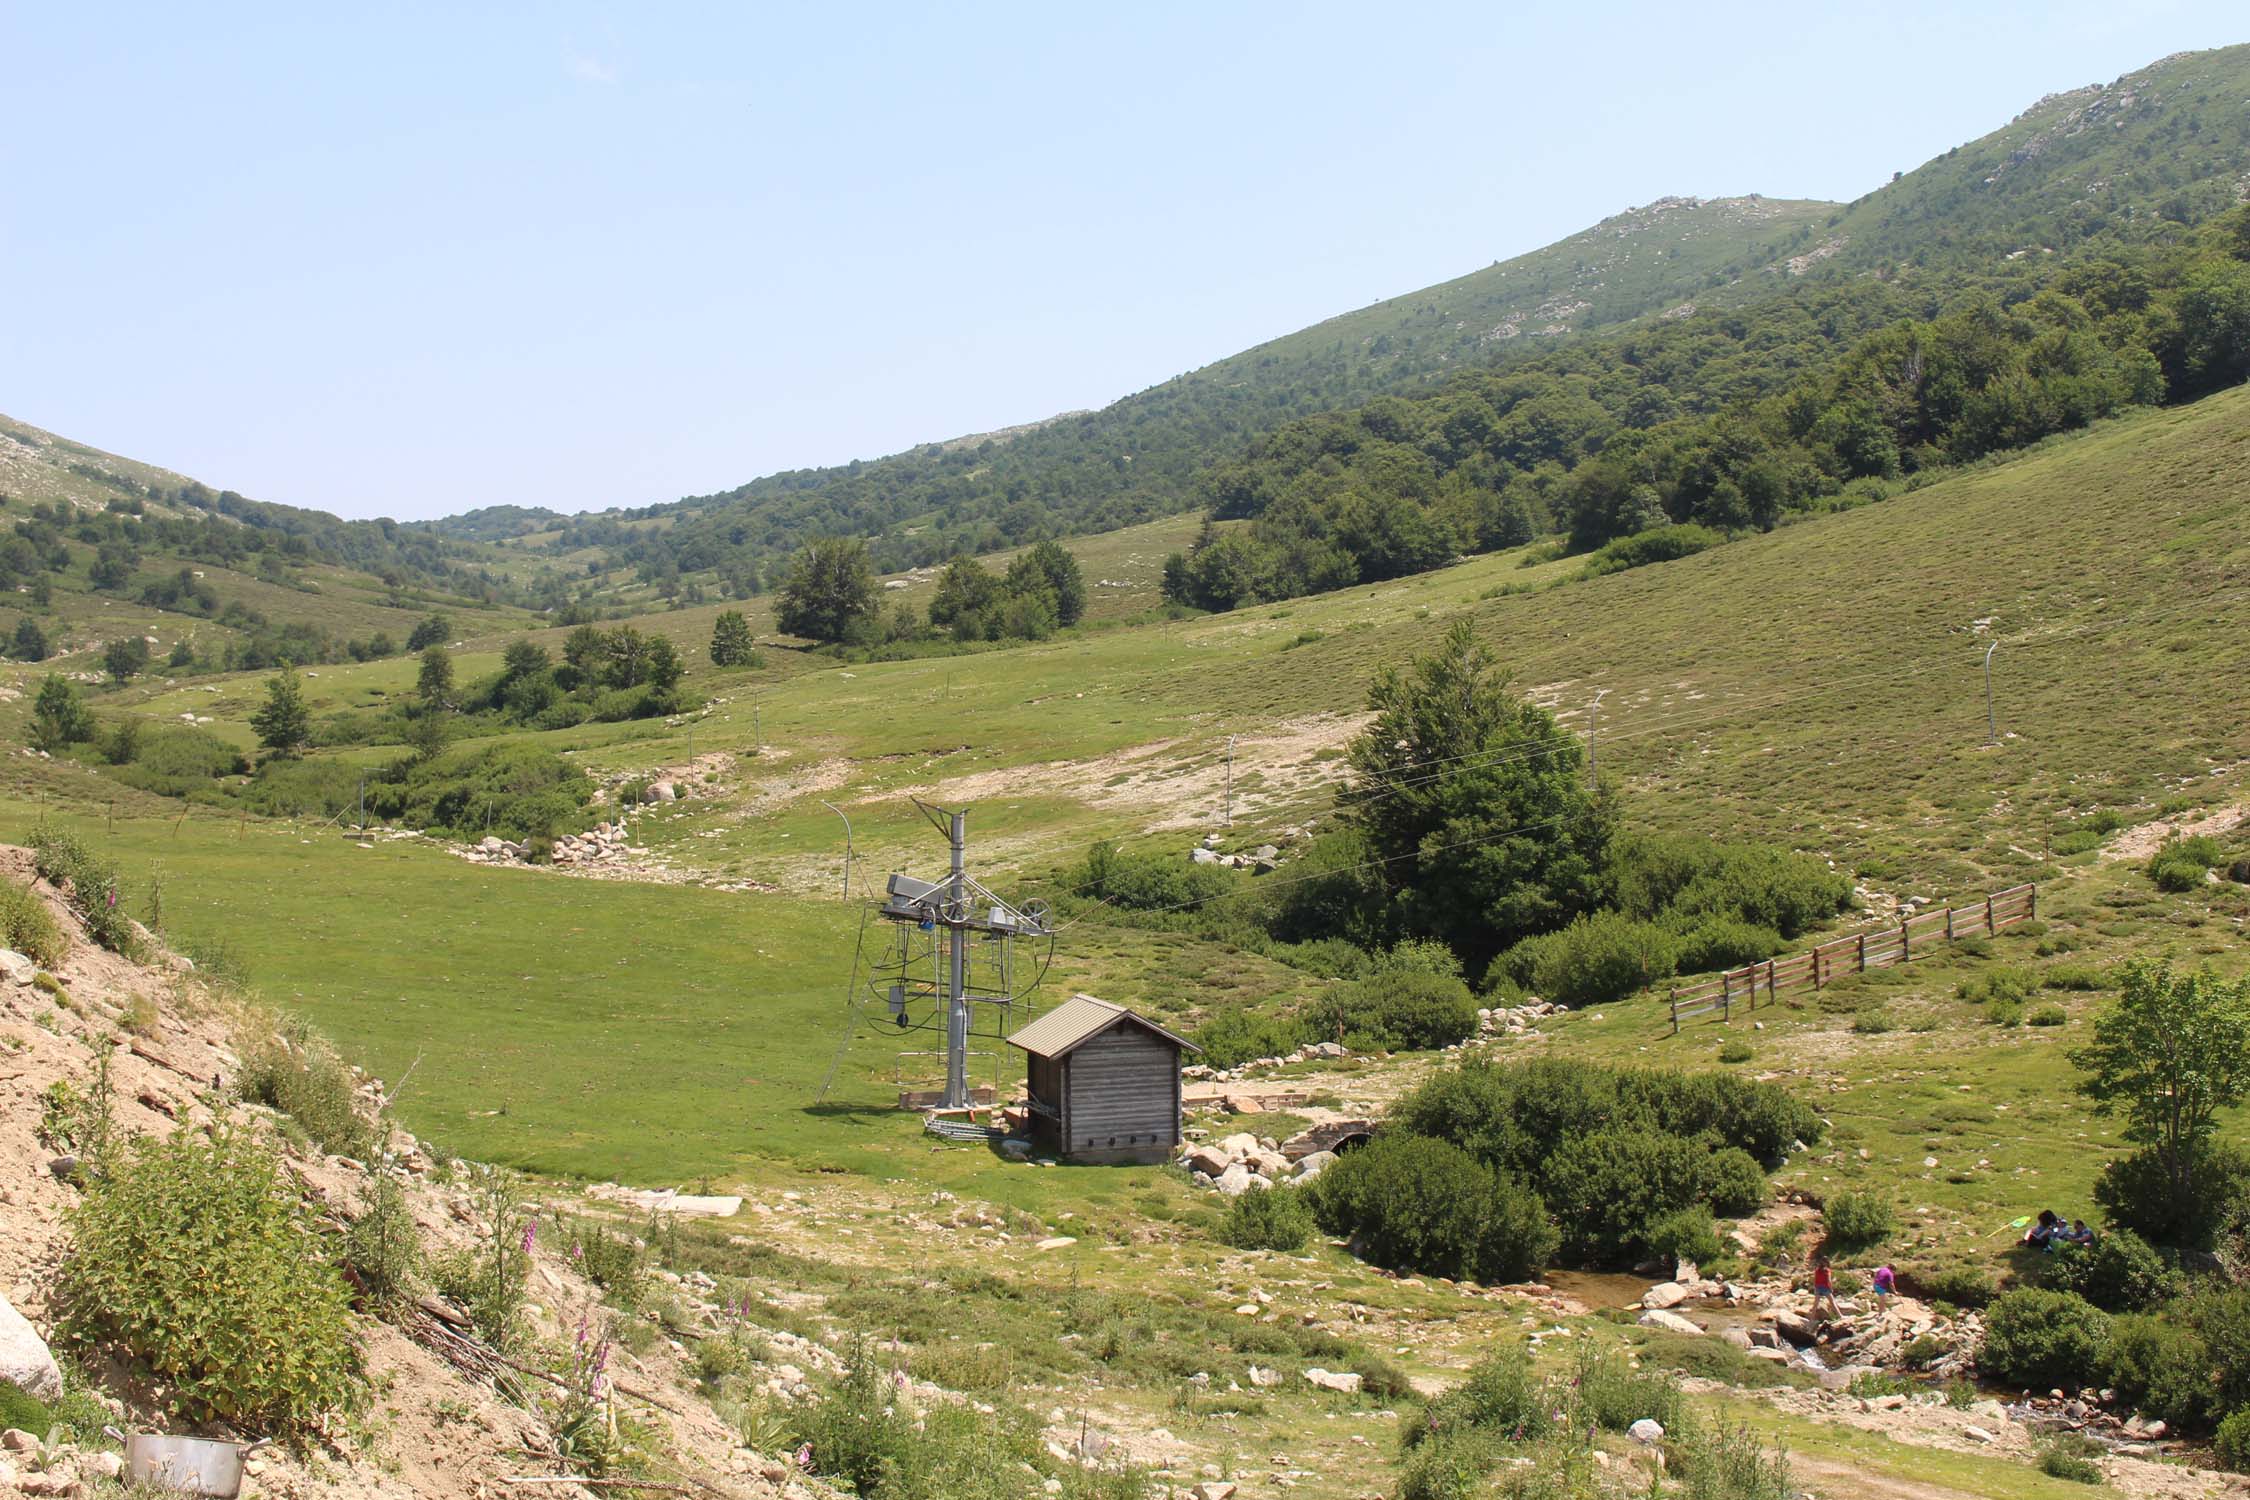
2076	1234
2042	1234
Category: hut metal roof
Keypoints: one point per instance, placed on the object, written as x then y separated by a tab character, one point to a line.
1078	1020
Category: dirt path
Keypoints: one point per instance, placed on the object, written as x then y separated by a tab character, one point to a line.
2144	839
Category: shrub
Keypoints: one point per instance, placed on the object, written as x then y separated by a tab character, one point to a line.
305	1080
1454	1466
2222	1320
1872	1019
193	1260
516	790
2078	977
1500	1396
1733	1182
1997	984
28	927
1400	1011
1594	960
2136	1193
1963	1286
1728	1464
1735	1050
1420	1204
2177	875
90	884
1719	942
2005	1013
2047	1015
1274	1218
2037	1338
1857	1220
2120	1272
2161	1368
382	1250
1685	1234
1612	1395
1233	1037
2059	1462
1657	544
1148	882
2232	1444
614	1261
1610	1189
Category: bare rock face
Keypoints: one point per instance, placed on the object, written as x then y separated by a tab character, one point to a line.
25	1361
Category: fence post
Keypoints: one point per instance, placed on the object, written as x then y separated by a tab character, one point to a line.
1816	968
2030	902
1863	953
1949	924
1990	930
1675	1010
1905	941
1726	995
1773	993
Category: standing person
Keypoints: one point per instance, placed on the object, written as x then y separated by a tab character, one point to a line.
1823	1289
1886	1287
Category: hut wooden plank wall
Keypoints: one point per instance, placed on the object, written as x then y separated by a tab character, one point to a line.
1105	1083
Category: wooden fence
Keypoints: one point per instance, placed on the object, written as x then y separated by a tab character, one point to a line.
1814	969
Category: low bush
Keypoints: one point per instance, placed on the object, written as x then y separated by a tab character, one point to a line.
1685	1234
2221	1318
2037	1339
382	1249
1857	1220
1148	882
301	1076
1733	1182
614	1261
2177	875
1657	544
2005	1013
514	790
191	1260
1872	1018
2076	977
29	928
1998	984
2047	1015
1501	1396
1730	1463
1233	1037
1719	942
2059	1462
1735	1051
2136	1193
2231	1446
1275	1218
1612	1395
2120	1272
1452	1466
90	884
1963	1286
2161	1368
1420	1204
1596	959
1612	1189
1400	1011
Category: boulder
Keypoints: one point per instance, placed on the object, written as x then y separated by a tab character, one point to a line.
1315	1164
1738	1337
1235	1180
1347	1381
1671	1322
1203	856
1766	1338
17	968
662	791
1664	1294
1210	1161
1270	1164
1239	1145
1796	1328
1646	1430
1978	1434
1215	1489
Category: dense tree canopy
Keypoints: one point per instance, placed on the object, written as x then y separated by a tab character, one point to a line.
830	584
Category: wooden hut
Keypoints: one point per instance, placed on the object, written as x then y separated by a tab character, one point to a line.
1105	1083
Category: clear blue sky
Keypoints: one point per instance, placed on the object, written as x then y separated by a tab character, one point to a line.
407	261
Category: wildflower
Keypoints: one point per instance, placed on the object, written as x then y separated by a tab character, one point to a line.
530	1233
804	1457
577	1252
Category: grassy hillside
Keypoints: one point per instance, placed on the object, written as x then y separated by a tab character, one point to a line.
2122	164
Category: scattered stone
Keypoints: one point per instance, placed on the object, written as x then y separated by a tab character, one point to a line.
1978	1434
1215	1489
1056	1242
1646	1430
25	1360
1671	1322
17	968
1664	1294
1347	1381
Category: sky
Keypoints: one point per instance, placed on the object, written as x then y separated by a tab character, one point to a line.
406	261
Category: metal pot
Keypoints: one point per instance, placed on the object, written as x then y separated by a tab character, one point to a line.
192	1466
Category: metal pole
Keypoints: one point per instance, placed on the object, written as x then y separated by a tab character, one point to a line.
839	812
1593	722
1991	721
1230	781
957	1003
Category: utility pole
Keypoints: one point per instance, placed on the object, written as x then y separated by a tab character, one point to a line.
1991	719
956	990
1230	781
839	812
758	724
1593	722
